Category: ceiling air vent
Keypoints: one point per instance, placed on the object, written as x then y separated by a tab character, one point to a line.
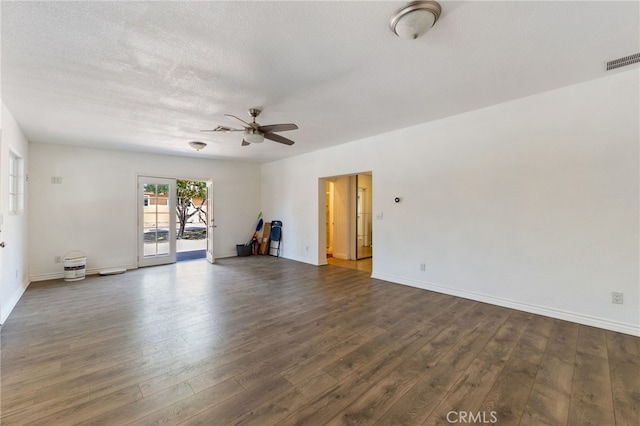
627	60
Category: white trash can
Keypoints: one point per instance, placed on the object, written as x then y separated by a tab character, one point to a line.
75	266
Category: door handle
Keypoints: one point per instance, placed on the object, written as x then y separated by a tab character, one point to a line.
2	244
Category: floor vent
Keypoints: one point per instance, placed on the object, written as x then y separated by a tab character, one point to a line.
627	60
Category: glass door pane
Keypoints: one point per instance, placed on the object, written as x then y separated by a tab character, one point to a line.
157	221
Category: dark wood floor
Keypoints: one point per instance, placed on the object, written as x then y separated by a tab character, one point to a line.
266	341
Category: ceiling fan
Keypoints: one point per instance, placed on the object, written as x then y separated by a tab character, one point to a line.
255	133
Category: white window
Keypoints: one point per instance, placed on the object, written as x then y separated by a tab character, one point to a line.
16	186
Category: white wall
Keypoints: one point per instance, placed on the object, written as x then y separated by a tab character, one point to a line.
95	208
13	258
531	204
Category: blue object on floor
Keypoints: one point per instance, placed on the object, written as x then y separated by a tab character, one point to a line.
275	237
190	255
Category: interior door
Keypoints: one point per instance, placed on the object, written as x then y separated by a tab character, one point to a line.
1	216
364	215
156	221
210	222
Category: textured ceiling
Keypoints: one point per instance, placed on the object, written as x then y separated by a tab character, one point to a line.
147	76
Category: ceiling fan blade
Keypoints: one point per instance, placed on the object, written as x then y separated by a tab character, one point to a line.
245	143
223	129
278	138
239	119
277	128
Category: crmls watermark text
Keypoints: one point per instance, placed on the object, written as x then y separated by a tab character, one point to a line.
471	417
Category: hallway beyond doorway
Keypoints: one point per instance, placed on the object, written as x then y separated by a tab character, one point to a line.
346	225
360	265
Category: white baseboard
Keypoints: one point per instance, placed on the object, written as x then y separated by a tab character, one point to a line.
12	301
60	275
308	260
343	256
226	254
94	271
606	324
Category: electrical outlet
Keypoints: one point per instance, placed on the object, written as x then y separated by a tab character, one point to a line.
56	180
57	259
617	298
423	267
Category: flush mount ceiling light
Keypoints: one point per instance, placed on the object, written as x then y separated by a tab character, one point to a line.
415	19
197	145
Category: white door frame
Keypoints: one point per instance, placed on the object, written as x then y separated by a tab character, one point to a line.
1	214
211	224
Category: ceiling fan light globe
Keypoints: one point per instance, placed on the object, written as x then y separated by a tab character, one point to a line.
253	136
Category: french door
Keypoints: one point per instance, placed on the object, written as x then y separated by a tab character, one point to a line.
156	221
210	222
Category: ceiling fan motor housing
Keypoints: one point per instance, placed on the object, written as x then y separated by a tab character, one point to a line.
254	112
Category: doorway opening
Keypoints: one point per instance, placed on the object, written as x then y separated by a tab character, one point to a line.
191	220
347	228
